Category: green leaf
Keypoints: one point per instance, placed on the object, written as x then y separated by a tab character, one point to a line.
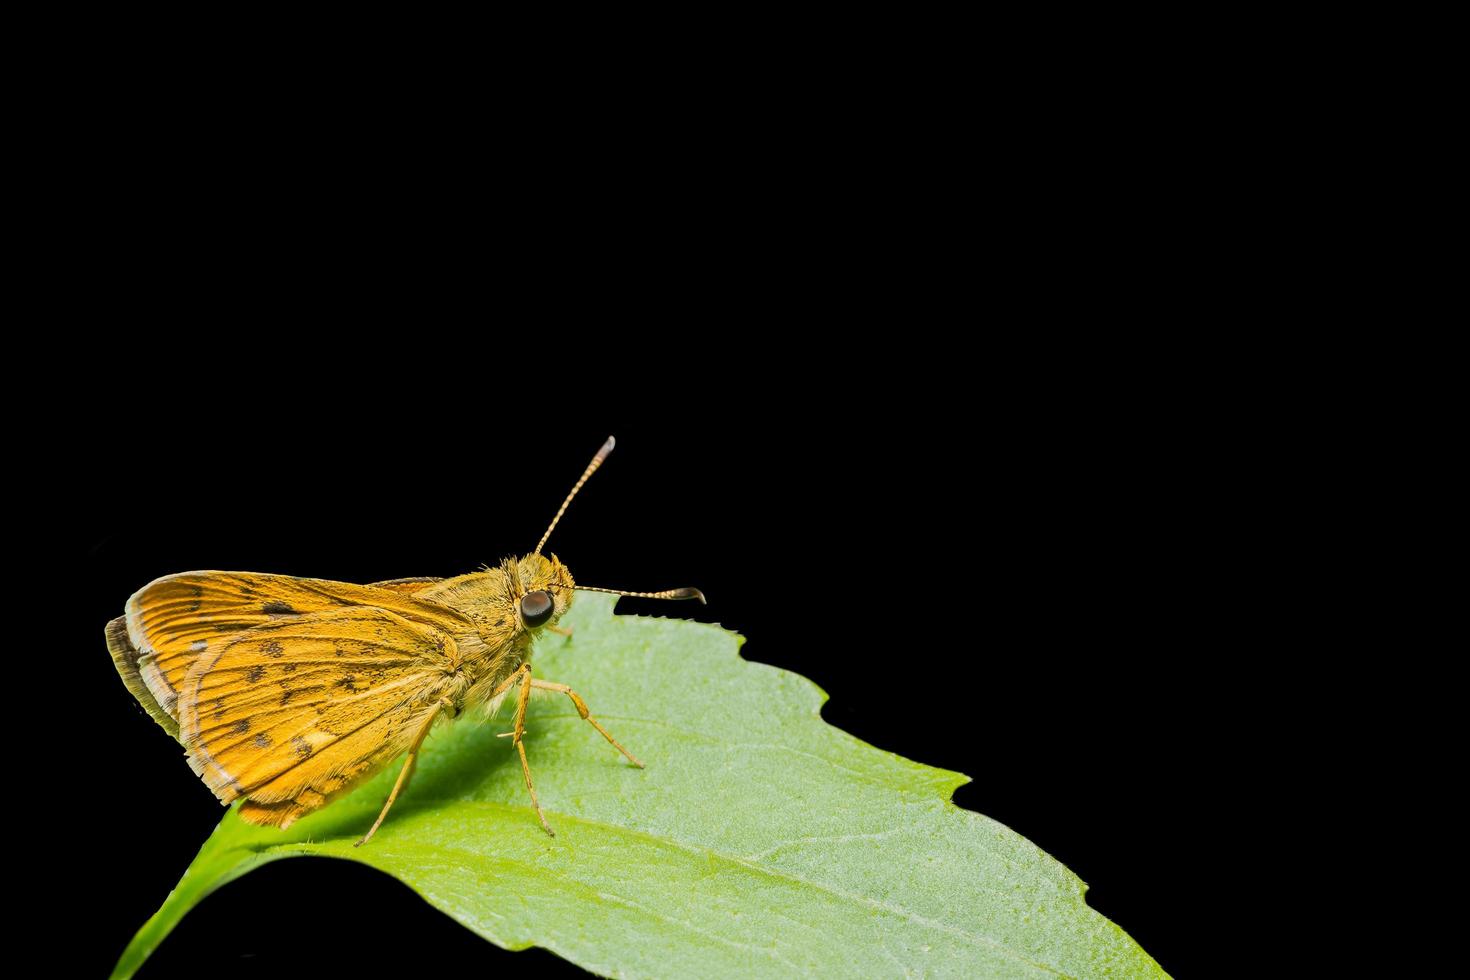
760	841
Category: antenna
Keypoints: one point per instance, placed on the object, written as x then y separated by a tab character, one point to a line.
602	454
685	593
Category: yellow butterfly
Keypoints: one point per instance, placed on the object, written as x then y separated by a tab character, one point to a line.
288	692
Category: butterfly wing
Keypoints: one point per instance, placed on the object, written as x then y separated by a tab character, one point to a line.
125	657
173	620
291	713
407	585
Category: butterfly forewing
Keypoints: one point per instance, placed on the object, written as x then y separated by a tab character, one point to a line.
292	712
173	620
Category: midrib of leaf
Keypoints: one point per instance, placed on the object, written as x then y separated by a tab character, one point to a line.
751	861
699	850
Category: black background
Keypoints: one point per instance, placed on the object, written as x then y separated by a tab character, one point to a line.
1052	538
1036	312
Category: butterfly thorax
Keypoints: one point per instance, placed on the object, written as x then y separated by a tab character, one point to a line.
491	600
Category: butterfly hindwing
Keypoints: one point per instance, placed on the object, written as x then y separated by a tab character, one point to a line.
125	656
290	713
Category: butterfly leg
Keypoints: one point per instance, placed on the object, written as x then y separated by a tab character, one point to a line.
581	707
406	771
560	630
523	674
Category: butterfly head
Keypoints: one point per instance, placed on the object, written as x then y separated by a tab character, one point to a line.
545	590
543	587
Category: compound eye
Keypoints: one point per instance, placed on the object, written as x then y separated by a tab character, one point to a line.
536	608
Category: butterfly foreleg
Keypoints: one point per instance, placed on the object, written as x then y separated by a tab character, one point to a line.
408	764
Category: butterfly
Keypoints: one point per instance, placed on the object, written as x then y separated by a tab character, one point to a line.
289	692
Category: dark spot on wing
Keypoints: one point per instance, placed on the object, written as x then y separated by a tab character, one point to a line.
219	708
262	741
299	746
241	727
256	673
277	608
289	668
272	648
350	683
198	593
286	694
